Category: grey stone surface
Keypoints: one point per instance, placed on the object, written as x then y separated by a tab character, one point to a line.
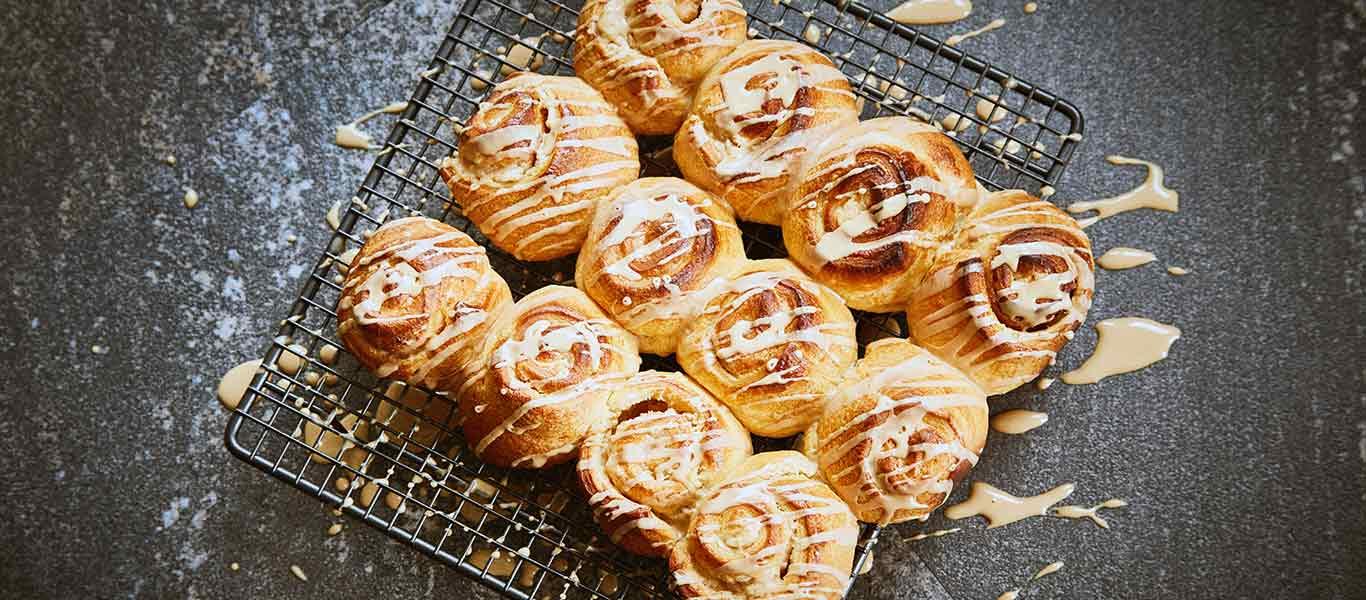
1244	455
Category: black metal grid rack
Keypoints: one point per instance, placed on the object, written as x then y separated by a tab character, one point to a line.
391	456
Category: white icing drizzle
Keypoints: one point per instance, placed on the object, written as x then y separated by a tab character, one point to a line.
841	242
390	274
512	169
787	504
906	393
1035	301
625	50
646	472
770	332
747	89
679	213
857	209
765	90
593	338
1029	302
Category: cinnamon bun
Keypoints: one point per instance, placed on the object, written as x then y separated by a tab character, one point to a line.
754	117
553	361
417	302
654	245
771	530
874	206
644	468
1014	290
769	343
535	159
900	432
646	56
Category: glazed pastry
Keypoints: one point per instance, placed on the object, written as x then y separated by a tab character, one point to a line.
535	159
646	56
770	343
653	246
770	531
644	468
754	117
873	208
808	443
417	301
1013	291
553	361
899	433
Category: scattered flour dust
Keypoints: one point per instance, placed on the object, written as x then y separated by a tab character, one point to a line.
171	515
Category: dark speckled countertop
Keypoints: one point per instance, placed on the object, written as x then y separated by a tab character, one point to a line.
1243	455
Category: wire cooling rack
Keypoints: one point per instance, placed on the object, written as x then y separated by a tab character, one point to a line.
392	456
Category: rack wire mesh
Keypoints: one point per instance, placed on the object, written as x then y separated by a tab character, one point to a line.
391	455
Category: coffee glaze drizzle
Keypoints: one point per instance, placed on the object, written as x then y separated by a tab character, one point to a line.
1000	508
1125	344
665	442
1015	422
899	432
876	205
417	299
654	246
1153	193
534	160
1116	259
1013	291
755	116
647	56
931	12
1091	512
553	362
770	344
771	531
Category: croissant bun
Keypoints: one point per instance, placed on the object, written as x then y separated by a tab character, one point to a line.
552	362
646	56
770	343
654	245
665	441
535	159
417	297
873	208
755	115
901	430
770	531
1016	287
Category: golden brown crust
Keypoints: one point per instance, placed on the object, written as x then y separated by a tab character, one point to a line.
644	468
654	245
874	207
1015	288
646	56
770	531
535	159
770	344
553	361
902	429
417	301
754	117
